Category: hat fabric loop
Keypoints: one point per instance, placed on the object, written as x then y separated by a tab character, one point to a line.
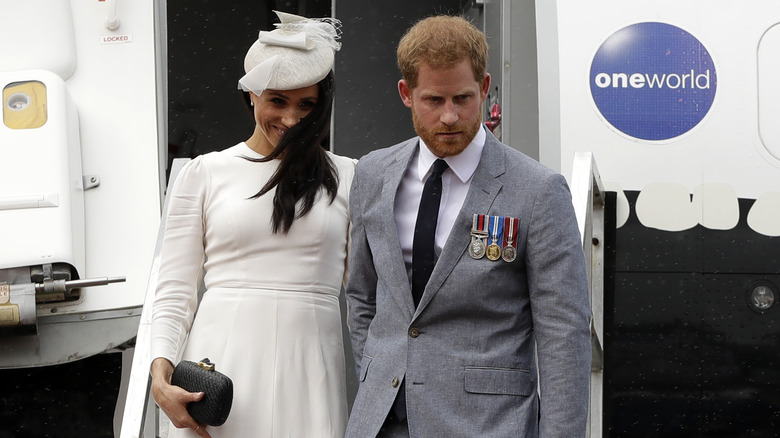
259	77
291	40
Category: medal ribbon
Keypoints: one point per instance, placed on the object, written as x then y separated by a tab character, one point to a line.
496	226
479	225
510	225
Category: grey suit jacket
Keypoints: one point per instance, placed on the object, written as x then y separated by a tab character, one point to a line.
467	351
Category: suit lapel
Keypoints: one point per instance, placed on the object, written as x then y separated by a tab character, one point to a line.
394	260
482	192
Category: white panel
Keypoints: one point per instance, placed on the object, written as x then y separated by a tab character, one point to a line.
37	34
764	216
726	146
718	206
43	163
769	90
666	206
115	90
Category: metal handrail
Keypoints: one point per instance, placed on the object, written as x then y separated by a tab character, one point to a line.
141	416
588	199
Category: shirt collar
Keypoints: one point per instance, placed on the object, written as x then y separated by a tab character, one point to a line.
463	165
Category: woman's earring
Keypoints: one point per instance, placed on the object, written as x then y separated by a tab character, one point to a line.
251	103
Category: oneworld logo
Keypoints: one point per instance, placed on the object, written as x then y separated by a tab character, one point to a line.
653	81
671	80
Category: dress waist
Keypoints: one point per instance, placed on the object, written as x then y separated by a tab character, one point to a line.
269	291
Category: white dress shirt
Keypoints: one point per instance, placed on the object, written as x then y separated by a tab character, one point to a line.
455	185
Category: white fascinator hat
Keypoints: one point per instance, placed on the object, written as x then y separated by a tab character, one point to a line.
297	54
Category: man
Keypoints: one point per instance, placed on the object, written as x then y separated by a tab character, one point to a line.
445	330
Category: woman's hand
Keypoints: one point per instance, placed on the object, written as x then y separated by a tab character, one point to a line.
172	399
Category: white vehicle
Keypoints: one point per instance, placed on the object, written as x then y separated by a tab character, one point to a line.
675	103
80	184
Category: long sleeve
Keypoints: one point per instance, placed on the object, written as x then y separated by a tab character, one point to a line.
361	287
181	262
561	311
347	174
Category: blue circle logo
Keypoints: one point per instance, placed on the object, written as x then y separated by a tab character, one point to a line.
653	81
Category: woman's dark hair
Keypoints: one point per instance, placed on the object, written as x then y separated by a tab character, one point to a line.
305	166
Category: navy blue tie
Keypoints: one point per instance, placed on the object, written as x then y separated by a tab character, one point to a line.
423	256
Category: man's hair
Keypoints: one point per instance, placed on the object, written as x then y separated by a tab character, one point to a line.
441	41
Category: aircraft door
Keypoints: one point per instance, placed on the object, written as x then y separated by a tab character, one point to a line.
511	110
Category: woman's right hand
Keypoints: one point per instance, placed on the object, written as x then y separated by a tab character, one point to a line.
173	399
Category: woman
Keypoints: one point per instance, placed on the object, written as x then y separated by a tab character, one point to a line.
265	224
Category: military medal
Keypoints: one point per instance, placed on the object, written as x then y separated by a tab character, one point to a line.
493	250
477	247
510	226
478	236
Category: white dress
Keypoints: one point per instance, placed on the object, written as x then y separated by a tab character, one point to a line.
270	316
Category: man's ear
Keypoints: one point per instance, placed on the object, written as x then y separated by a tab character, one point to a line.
405	92
485	87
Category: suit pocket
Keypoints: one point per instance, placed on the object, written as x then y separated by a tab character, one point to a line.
503	381
364	363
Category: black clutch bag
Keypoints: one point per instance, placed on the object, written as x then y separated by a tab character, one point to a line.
217	388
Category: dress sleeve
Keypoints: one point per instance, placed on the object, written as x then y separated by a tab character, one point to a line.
181	262
348	176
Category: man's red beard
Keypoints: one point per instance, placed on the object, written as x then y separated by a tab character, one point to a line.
443	147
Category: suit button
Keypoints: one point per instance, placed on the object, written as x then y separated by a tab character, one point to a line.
394	382
413	332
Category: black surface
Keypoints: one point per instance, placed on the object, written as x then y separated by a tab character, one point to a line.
207	42
685	356
369	114
70	400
